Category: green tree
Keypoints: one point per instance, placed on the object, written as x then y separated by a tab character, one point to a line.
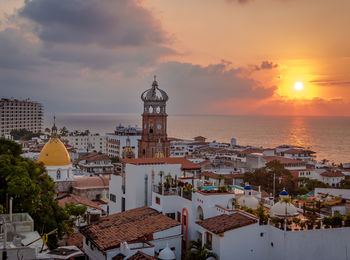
77	212
311	184
64	131
23	134
265	177
198	252
345	184
32	191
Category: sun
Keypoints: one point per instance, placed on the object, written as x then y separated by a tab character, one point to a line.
298	86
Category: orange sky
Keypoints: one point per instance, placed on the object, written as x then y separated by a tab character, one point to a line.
309	40
303	40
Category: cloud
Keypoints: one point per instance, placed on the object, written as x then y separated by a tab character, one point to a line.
238	1
119	35
266	65
331	82
198	89
108	23
17	52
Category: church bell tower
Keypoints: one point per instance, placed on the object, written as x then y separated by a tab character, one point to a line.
154	140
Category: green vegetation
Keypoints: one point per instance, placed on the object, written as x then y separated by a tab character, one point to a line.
23	134
265	177
345	184
198	252
32	191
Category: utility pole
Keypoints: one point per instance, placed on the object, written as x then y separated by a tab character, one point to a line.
274	186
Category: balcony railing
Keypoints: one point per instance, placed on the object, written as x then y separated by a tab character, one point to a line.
178	191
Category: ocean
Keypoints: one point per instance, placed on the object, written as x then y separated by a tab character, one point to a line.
328	136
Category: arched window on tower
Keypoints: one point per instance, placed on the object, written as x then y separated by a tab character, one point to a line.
151	128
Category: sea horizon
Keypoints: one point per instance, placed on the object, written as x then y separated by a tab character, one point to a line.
326	135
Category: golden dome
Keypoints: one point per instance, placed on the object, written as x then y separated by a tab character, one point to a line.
54	153
127	149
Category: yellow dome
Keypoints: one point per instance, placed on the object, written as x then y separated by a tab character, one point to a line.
127	149
54	153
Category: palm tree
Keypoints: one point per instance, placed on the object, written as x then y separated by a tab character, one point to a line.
198	252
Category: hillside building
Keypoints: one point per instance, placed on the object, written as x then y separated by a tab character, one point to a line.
18	114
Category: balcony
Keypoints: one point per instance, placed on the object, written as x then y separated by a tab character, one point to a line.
177	191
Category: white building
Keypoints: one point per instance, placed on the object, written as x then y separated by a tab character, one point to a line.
133	187
142	231
332	178
20	114
93	142
295	152
117	141
95	164
183	148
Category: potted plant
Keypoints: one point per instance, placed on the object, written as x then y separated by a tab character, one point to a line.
327	222
347	220
337	220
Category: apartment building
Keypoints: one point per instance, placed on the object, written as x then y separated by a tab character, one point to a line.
20	114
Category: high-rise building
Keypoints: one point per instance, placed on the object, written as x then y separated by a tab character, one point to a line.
154	140
20	114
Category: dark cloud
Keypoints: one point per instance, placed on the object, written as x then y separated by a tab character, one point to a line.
331	82
266	65
17	52
192	87
109	23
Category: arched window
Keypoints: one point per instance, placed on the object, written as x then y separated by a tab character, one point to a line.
200	214
58	174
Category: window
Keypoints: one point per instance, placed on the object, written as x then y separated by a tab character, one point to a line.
170	215
112	197
179	216
123	204
158	200
208	239
58	174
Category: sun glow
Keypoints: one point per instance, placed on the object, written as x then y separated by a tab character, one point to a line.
298	86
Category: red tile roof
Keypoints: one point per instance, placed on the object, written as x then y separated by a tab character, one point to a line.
224	222
89	182
214	175
298	151
141	256
77	200
133	225
94	157
332	174
282	160
76	239
251	150
185	164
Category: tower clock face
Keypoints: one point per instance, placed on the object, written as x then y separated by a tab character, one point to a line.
159	126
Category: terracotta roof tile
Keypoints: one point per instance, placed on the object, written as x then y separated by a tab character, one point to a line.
185	164
223	223
91	182
133	225
332	174
141	256
282	160
94	157
75	239
77	200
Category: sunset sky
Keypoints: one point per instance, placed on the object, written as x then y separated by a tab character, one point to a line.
211	56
